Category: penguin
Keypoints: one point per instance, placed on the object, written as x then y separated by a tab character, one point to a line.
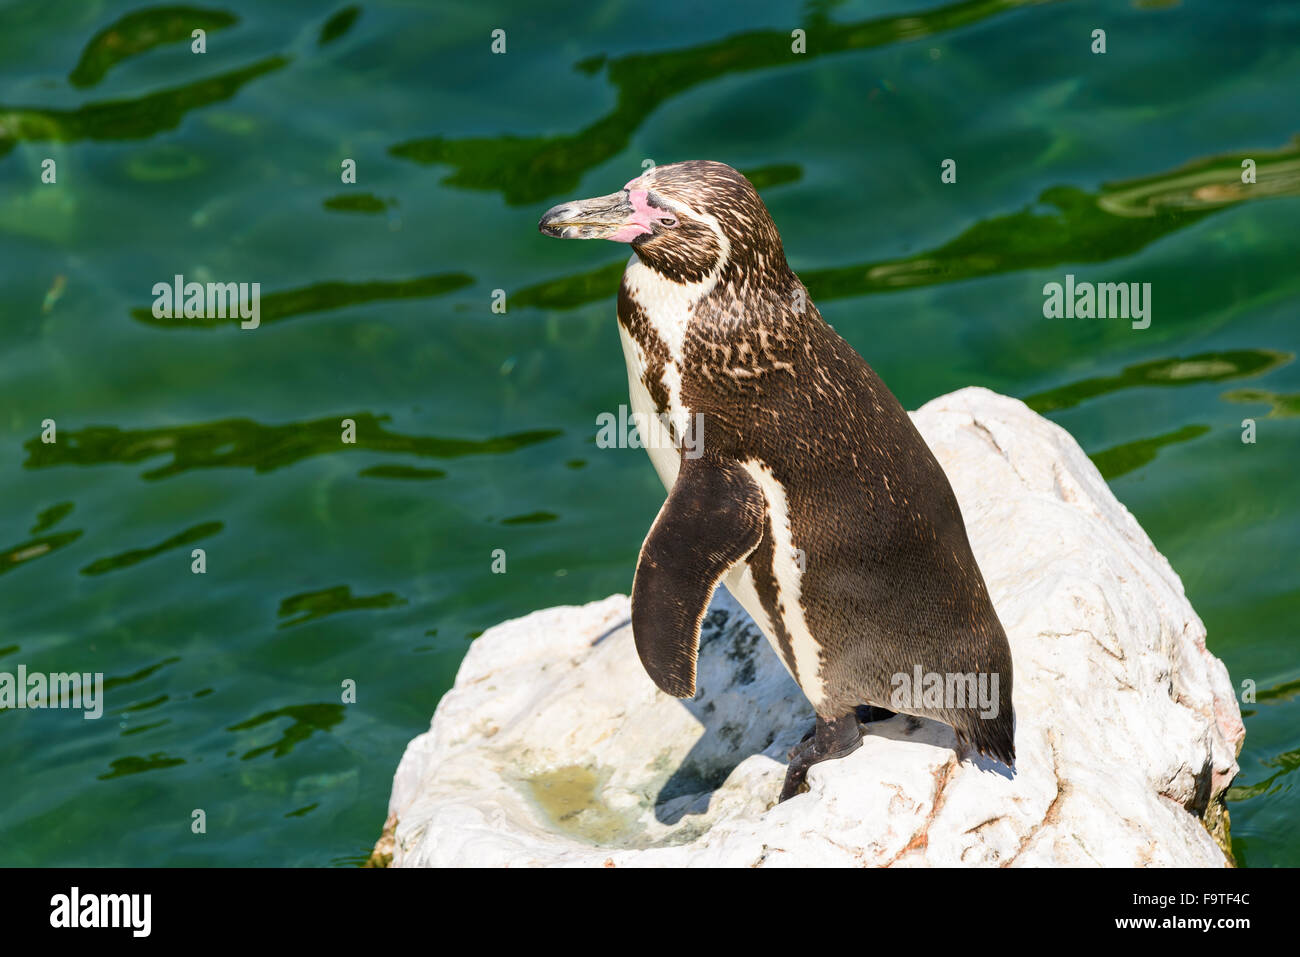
794	477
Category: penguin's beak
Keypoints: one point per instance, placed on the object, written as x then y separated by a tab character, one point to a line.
615	217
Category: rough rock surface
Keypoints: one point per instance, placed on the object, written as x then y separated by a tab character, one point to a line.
555	748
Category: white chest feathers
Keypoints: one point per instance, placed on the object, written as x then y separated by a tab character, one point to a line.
668	307
653	433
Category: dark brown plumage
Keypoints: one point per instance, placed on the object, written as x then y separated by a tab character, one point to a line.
804	447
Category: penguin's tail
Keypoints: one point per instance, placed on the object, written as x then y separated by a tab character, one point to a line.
993	737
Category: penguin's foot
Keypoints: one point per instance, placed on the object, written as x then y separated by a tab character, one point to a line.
829	740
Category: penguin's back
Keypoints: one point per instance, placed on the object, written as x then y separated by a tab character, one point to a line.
888	583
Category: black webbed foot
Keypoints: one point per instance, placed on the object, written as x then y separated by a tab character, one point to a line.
829	740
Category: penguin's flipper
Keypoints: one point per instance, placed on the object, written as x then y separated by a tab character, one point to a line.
715	516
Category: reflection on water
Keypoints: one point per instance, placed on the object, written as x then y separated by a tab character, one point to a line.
777	174
1206	367
1286	762
142	728
16	555
1117	461
137	555
243	443
49	517
140	675
357	203
401	472
1208	183
146	705
337	25
1281	406
527	169
139	32
165	163
532	518
305	720
1081	227
570	292
121	681
136	765
322	296
1281	692
135	119
310	606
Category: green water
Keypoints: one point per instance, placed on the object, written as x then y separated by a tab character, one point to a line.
371	562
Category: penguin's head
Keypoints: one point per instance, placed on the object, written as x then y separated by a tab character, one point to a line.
685	220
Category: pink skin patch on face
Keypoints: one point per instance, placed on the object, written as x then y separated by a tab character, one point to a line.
642	218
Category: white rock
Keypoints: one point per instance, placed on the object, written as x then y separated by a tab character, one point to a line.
554	747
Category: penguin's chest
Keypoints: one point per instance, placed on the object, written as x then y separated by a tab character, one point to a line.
651	418
652	328
653	318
